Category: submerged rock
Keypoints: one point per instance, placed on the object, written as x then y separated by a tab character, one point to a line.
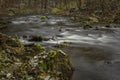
18	62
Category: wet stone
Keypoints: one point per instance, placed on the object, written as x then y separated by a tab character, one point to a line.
87	27
36	38
107	26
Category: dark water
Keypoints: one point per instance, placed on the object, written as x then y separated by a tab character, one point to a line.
95	54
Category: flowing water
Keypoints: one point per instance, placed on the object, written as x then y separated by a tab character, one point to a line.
95	54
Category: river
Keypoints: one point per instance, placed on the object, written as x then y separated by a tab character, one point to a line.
95	54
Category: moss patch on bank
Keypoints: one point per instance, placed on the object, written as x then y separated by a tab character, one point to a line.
32	62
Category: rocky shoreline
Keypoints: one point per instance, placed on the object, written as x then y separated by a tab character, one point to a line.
33	62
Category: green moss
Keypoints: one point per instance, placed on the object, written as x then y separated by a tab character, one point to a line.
43	17
2	51
64	44
38	47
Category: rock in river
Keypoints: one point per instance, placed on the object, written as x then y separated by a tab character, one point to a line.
36	38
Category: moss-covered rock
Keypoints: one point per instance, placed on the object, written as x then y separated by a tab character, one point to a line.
43	17
31	62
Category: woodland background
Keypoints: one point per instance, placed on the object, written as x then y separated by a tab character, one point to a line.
98	10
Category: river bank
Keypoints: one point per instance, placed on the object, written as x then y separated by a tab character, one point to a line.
32	62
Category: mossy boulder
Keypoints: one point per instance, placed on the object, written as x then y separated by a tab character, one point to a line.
43	17
32	62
